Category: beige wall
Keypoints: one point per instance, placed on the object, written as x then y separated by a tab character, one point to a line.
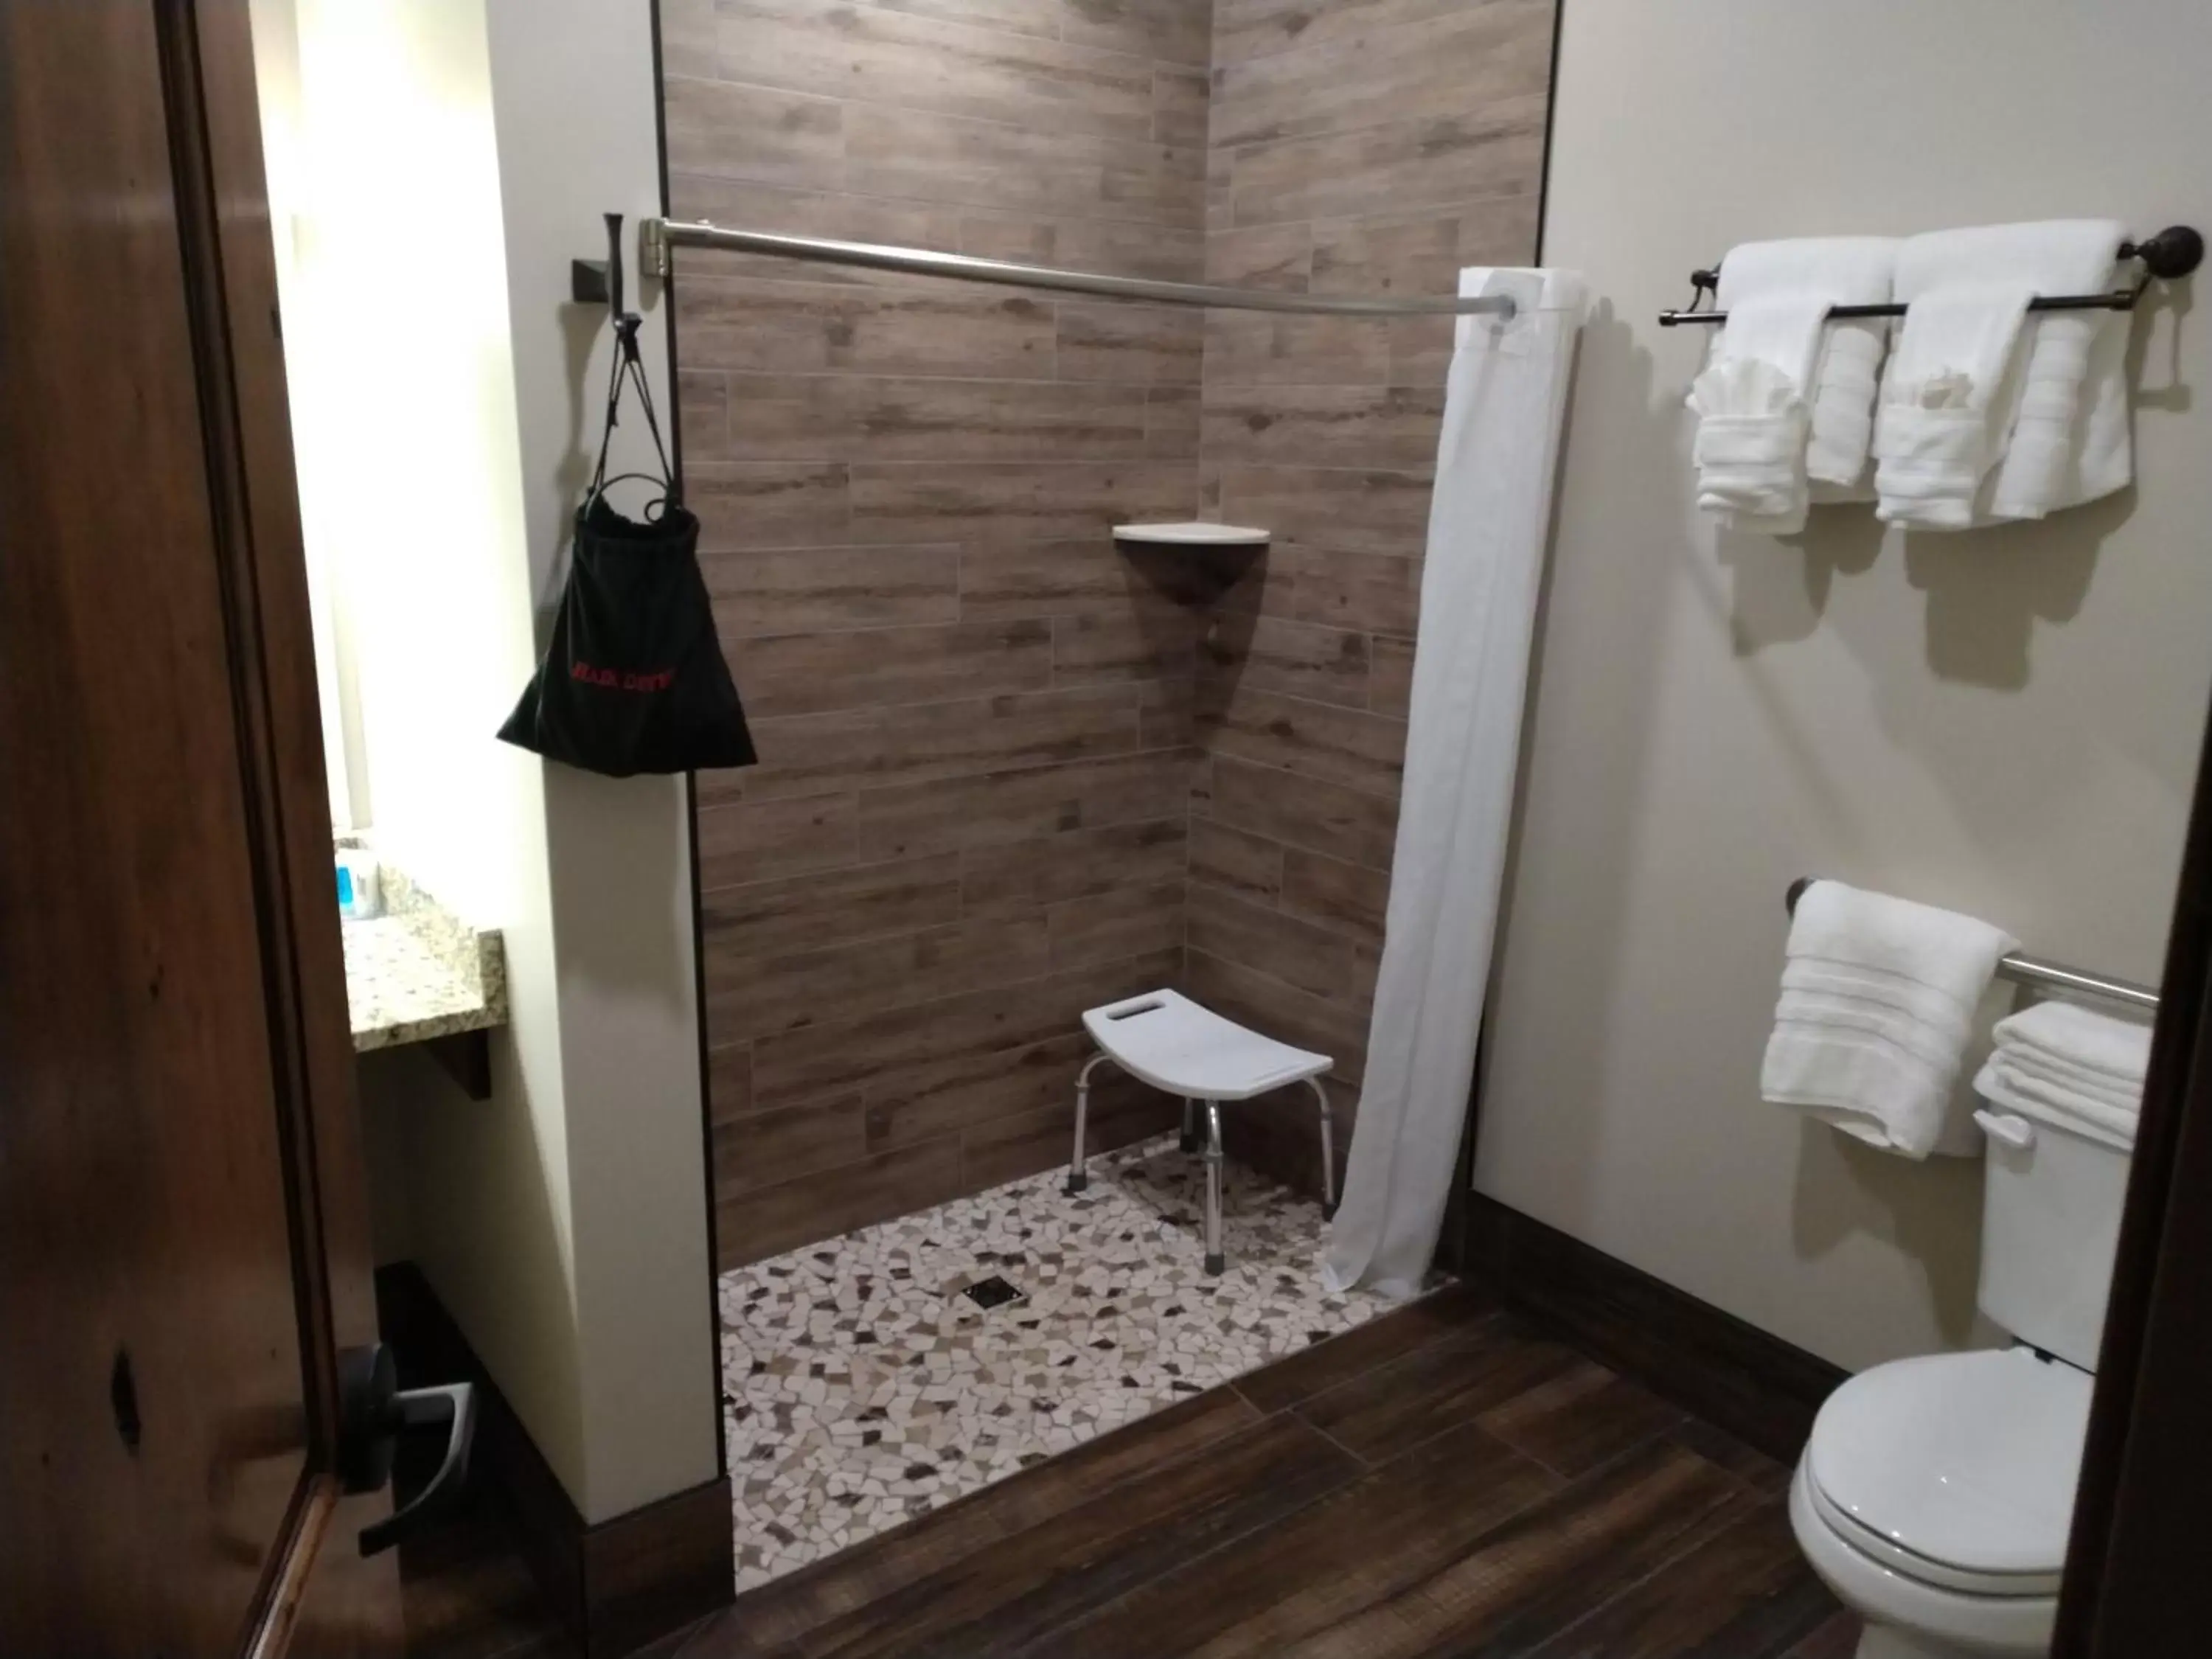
2004	722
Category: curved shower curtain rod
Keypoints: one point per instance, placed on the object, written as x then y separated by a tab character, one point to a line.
657	237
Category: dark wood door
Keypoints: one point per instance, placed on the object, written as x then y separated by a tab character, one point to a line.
180	1187
2135	1581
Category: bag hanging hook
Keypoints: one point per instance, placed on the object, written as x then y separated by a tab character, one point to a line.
628	367
627	323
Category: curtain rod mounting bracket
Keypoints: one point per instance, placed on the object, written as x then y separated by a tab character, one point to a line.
652	246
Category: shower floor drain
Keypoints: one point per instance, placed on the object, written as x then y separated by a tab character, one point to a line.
992	1293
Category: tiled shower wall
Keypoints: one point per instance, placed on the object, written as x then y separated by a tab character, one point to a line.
973	714
1370	146
980	725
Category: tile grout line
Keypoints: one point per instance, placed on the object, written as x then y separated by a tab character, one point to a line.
1034	1643
1725	1516
1367	1465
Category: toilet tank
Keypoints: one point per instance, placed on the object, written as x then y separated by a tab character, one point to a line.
2051	1219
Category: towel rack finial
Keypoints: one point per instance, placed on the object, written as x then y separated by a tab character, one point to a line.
2174	252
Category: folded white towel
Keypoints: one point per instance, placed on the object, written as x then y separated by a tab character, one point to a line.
2114	1125
2107	1120
1875	1014
2068	440
1777	452
2080	1065
2050	1074
1938	428
2095	1048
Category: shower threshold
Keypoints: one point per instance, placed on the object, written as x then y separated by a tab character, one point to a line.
863	1384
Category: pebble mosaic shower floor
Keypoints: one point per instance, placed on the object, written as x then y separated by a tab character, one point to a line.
860	1387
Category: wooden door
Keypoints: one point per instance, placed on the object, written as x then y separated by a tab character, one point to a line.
2135	1582
180	1186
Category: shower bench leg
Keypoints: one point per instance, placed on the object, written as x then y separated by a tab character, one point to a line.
1215	1262
1079	1176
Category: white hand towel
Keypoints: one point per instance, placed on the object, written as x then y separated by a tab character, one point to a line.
1876	1011
2069	440
1777	295
1938	430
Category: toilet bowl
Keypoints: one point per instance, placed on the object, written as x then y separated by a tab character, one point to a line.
1935	1493
1935	1496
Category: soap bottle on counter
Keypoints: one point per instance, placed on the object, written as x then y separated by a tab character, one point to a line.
361	895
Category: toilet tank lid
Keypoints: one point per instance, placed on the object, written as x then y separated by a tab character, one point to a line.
1968	1459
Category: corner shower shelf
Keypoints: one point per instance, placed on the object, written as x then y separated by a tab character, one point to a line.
1191	534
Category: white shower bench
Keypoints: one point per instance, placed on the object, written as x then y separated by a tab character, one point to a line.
1165	1039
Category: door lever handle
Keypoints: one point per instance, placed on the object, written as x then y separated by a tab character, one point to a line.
453	1404
374	1410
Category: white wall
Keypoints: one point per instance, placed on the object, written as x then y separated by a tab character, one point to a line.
401	366
577	114
2003	722
447	158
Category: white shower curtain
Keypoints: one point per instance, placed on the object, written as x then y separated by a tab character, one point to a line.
1503	408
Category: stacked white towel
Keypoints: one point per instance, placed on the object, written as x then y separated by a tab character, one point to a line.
1986	412
1786	402
2083	1066
1877	1006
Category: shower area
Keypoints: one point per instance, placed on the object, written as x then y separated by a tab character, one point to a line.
1010	769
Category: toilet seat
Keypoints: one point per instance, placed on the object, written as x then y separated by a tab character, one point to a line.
2016	1625
1954	1470
1894	1557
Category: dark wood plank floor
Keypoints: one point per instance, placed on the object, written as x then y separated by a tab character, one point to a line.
1445	1481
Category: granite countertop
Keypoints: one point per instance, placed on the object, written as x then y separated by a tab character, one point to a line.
418	971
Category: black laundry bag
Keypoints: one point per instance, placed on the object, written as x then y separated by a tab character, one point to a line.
633	679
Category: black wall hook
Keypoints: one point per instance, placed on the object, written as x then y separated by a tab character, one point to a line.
600	281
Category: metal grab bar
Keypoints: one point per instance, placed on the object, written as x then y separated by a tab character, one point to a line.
2045	976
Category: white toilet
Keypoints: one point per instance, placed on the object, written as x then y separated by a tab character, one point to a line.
1934	1495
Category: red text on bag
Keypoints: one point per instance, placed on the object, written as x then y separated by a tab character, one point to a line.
616	679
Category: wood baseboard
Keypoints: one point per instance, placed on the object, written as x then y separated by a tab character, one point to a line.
1760	1389
616	1586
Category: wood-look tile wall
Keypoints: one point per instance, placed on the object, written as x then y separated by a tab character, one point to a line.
974	716
1355	145
1007	771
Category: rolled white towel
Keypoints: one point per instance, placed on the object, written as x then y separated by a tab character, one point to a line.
1876	1012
